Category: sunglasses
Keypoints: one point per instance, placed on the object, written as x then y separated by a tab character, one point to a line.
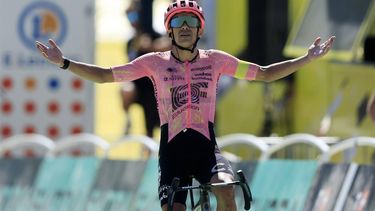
191	21
133	16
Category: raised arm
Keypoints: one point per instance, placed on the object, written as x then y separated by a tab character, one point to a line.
281	69
88	71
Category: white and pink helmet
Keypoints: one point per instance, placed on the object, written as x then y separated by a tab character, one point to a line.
180	6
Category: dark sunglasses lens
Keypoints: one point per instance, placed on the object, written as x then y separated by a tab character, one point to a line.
189	20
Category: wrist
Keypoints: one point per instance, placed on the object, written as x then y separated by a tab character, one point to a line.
308	58
65	63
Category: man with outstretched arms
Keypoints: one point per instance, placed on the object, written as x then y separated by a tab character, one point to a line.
185	80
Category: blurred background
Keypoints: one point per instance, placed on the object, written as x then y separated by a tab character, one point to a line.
325	100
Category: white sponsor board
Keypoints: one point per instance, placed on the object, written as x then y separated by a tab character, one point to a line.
35	96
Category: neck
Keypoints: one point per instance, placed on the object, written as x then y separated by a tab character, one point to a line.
184	55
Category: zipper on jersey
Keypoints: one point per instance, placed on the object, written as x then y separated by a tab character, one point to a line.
188	110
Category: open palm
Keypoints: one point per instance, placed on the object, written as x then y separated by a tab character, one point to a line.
52	53
317	50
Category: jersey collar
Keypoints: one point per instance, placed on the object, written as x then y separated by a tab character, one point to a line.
190	61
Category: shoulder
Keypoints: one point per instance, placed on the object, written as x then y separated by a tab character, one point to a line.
215	53
218	55
165	55
146	56
151	58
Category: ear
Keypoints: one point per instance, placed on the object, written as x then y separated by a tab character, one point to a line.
200	32
169	32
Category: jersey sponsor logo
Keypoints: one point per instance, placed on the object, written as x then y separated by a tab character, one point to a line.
174	78
219	167
180	94
202	76
175	114
209	67
163	190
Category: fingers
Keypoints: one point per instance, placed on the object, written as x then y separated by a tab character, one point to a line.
317	50
326	49
317	41
52	43
330	41
42	48
325	45
44	55
328	44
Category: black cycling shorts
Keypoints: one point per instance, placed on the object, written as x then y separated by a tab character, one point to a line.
189	154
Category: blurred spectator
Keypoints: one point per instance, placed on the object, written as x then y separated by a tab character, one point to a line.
371	107
127	93
141	91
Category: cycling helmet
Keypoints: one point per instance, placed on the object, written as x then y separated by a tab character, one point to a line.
180	6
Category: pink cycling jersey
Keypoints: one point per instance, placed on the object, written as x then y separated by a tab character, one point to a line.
185	91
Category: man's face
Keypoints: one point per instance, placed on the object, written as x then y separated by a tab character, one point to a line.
184	27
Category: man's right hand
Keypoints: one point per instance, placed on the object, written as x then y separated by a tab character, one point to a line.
52	53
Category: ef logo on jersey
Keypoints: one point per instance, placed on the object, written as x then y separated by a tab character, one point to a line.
180	94
41	20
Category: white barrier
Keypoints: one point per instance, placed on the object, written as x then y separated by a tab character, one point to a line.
300	138
88	144
347	144
79	144
146	141
19	145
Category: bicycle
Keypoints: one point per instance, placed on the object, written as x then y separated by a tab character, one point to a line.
204	201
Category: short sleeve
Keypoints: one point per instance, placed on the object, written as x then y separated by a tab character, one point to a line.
235	67
135	69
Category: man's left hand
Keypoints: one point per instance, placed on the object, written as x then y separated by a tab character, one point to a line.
317	50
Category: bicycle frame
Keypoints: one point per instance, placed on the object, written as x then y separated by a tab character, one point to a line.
205	188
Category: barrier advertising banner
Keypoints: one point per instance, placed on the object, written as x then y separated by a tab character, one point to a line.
147	196
282	184
63	183
17	178
115	184
361	196
18	172
35	96
326	187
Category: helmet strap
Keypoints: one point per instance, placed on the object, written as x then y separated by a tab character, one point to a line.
183	48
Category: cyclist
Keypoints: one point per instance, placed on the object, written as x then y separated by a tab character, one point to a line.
185	80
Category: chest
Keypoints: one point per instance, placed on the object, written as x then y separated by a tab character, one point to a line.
184	74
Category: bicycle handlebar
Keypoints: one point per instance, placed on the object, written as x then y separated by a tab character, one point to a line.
245	190
242	183
172	191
